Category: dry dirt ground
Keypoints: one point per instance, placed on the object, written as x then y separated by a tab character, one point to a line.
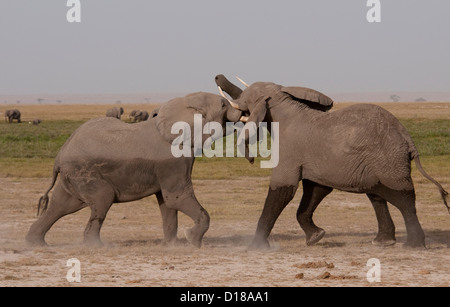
133	254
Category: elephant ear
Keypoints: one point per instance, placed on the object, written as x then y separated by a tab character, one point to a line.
312	98
175	111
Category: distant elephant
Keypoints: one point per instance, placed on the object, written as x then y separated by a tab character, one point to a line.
138	116
362	149
11	115
98	169
115	112
36	122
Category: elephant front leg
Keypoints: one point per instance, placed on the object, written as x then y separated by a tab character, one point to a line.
187	203
277	199
99	202
169	219
313	194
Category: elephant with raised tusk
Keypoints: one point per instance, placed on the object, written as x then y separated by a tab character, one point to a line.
362	149
97	168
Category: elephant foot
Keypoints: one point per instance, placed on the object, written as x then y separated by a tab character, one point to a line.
315	237
384	239
171	242
93	242
193	238
383	242
416	243
259	244
35	241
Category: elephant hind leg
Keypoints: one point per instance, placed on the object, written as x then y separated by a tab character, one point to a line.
313	194
62	203
405	201
386	228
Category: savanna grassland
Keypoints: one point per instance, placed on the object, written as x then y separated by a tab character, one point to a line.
233	192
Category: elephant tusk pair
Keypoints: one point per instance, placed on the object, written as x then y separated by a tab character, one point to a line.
233	104
243	119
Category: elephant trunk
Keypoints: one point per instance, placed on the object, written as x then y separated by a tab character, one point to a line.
234	91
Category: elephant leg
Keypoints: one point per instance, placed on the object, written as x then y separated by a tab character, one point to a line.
187	203
386	228
100	202
313	194
405	201
61	204
277	199
169	219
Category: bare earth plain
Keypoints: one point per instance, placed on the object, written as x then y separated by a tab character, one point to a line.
133	253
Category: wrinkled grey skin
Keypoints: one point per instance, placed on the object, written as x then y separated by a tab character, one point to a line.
11	115
360	149
138	116
115	112
98	169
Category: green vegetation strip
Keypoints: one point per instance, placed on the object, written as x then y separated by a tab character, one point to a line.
28	151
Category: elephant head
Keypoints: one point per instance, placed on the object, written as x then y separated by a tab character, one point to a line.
260	99
257	98
208	107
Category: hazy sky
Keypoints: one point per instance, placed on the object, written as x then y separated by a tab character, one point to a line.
137	46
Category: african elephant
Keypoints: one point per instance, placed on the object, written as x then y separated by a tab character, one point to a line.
115	112
11	115
362	149
138	116
98	168
36	121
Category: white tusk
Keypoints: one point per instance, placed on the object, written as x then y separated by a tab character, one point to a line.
244	119
233	104
240	80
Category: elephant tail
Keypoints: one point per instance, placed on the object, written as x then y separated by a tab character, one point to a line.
43	201
444	193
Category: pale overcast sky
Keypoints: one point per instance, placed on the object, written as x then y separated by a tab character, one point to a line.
133	46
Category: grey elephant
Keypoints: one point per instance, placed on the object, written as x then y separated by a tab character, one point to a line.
138	116
11	115
361	149
115	112
36	121
97	168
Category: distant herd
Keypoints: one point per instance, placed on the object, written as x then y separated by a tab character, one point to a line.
135	115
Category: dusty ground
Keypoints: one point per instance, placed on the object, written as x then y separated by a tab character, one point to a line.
134	256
